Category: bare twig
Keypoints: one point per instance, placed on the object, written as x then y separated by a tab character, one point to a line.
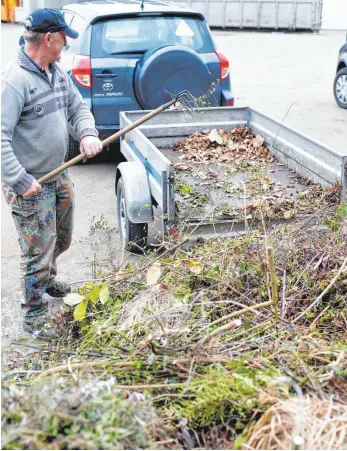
325	291
88	280
284	301
80	248
240	312
73	375
150	386
220	331
274	294
319	316
245	205
118	365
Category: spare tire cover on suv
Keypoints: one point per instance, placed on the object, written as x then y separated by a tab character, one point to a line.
169	69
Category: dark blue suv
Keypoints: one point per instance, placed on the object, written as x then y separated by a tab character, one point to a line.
134	55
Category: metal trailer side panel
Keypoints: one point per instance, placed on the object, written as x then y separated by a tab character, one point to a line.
164	133
276	14
176	117
344	179
305	156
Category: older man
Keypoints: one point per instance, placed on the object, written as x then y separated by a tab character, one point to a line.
38	102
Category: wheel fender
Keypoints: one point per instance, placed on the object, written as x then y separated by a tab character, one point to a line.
137	193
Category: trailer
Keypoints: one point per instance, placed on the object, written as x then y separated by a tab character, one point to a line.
147	185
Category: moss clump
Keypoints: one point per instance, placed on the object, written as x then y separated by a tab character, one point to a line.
223	395
94	415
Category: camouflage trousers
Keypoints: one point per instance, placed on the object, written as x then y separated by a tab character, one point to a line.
44	225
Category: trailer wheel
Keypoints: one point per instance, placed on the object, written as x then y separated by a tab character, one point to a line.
134	236
73	149
340	88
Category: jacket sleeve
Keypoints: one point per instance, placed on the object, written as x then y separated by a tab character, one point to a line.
79	114
12	172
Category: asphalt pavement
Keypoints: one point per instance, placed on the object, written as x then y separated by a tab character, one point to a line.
288	76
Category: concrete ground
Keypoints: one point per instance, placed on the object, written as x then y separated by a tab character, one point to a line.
288	76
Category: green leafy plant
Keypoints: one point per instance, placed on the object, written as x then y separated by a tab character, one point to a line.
334	224
90	292
99	224
342	211
186	190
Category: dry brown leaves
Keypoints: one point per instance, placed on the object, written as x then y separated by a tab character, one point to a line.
221	146
241	149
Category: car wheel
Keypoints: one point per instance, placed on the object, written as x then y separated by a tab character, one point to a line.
340	88
73	149
133	236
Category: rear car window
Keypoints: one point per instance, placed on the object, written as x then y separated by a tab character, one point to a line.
139	34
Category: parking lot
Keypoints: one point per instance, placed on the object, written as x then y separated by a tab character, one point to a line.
288	76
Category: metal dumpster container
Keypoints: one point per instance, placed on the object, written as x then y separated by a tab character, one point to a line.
266	14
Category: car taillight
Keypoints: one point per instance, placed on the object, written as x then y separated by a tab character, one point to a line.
82	71
230	103
224	66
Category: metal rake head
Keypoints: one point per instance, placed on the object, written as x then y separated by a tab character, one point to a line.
185	102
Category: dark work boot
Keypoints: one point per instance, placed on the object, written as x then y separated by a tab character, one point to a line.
42	327
59	289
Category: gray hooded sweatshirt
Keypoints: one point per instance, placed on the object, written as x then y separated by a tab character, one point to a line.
35	112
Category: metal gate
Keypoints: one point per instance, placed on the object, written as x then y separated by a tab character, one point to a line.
268	14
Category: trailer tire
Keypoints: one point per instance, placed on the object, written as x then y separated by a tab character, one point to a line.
73	149
133	235
340	79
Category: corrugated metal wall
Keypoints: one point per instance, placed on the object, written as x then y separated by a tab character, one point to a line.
273	14
261	14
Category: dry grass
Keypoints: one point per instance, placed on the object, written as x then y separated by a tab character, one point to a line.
301	423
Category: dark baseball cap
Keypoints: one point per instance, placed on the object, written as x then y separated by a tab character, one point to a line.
46	20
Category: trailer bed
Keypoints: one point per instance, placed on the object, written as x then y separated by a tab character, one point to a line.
222	191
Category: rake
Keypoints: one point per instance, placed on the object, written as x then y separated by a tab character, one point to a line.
184	101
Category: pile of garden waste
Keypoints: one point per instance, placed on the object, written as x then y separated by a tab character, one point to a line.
223	343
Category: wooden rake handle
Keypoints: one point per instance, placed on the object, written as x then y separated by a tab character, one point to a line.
107	141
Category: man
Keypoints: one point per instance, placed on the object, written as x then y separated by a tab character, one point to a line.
38	102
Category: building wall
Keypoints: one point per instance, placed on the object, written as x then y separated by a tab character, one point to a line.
334	15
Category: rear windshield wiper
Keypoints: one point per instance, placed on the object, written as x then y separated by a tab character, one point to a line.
129	52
